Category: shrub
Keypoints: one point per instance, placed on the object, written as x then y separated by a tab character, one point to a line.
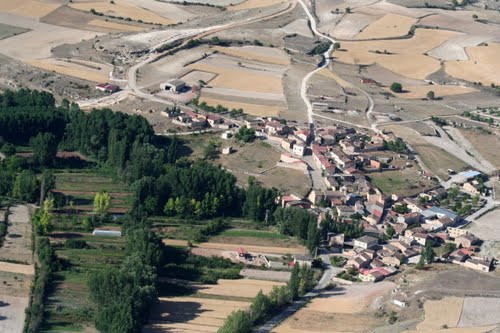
397	87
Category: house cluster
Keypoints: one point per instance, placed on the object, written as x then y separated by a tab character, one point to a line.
197	121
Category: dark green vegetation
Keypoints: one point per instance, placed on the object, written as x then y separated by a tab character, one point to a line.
397	87
264	307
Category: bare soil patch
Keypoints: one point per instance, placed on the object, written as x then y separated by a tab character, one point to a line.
124	9
420	91
29	8
12	313
247	288
480	311
390	25
257	53
251	4
86	70
486	144
17	245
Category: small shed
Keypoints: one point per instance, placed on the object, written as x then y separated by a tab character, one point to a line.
174	85
108	88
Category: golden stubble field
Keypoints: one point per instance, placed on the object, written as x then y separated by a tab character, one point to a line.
390	25
404	57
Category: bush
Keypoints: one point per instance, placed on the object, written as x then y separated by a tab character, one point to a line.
76	244
397	87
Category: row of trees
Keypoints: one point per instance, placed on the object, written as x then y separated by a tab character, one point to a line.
124	295
300	223
264	306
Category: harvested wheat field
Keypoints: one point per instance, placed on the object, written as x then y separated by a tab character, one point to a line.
258	53
114	26
405	57
17	268
419	92
390	25
252	109
247	288
343	309
241	78
123	9
251	4
28	8
482	66
442	312
327	73
191	314
85	70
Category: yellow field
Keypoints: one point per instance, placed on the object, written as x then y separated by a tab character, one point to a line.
482	66
390	25
343	83
79	69
29	8
114	26
191	314
443	312
239	288
263	54
418	92
405	57
252	109
250	4
122	8
240	79
17	268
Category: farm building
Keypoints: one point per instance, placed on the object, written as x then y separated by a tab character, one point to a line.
174	85
107	232
108	88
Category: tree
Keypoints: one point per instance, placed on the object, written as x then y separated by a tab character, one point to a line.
397	87
245	134
294	282
260	307
45	220
48	182
431	95
390	232
238	321
44	149
210	151
26	187
428	253
102	202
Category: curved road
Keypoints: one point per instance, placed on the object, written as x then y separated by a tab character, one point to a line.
327	57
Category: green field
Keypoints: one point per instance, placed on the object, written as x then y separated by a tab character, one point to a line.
401	182
252	233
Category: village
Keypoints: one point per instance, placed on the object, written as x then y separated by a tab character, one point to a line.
396	229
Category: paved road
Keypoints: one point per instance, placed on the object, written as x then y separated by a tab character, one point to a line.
295	306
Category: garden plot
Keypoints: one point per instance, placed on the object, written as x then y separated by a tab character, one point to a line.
390	25
247	288
17	244
482	66
252	4
404	57
420	91
123	9
28	8
258	53
85	70
248	244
